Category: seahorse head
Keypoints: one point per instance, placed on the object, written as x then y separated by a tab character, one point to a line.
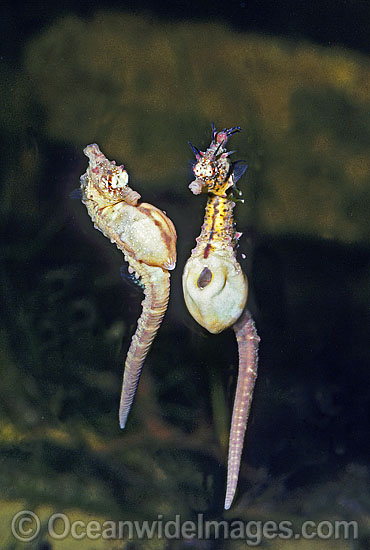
105	181
213	168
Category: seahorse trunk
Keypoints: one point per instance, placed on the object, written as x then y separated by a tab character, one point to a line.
248	340
157	289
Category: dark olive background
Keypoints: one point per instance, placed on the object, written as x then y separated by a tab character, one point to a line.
141	82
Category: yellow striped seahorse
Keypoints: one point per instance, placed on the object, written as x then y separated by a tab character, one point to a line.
215	287
147	238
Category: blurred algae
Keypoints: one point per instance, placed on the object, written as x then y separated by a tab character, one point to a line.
305	110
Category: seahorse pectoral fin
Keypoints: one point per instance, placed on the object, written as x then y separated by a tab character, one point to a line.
238	169
76	194
248	340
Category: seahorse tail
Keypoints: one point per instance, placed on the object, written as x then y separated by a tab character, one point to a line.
157	289
248	340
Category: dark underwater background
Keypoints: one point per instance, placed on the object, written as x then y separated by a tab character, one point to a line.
142	81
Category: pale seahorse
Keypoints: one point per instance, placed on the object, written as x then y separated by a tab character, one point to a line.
147	238
215	287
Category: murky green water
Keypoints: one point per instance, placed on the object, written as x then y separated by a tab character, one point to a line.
67	316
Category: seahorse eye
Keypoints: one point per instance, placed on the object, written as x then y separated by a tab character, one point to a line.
209	171
122	178
197	169
204	278
104	181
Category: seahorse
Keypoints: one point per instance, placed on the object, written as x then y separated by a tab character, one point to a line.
147	238
214	285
